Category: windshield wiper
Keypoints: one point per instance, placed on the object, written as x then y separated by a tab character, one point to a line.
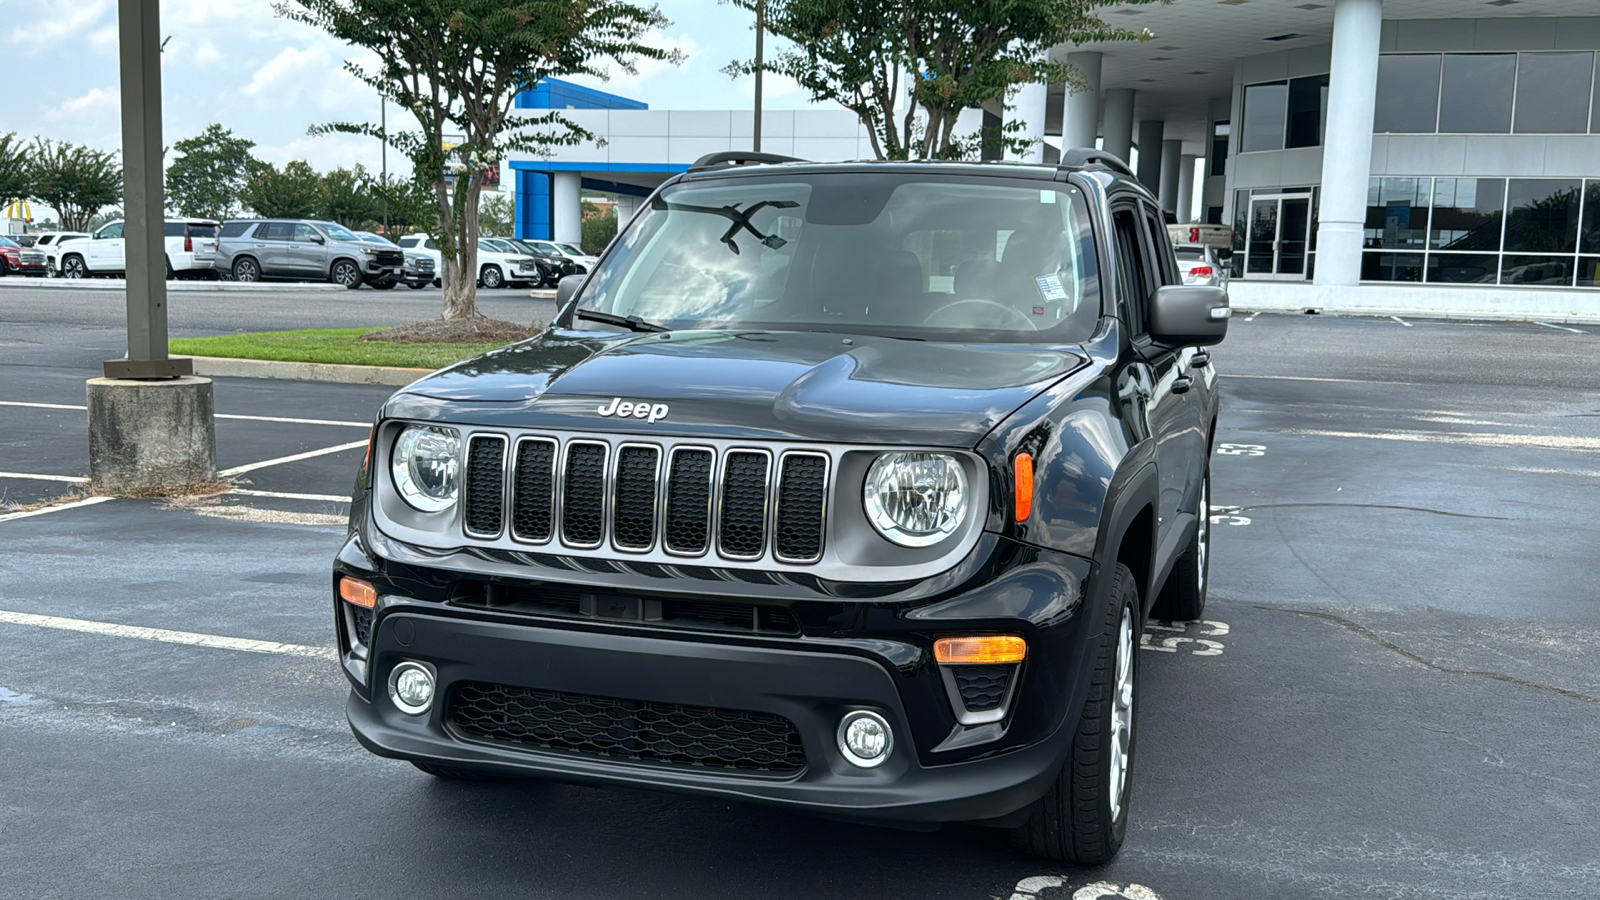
632	323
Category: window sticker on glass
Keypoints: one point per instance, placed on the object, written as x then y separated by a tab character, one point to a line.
1050	286
1047	196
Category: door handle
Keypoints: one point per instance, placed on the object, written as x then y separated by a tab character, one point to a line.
1200	359
1182	384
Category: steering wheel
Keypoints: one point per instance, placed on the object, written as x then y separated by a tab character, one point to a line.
1016	314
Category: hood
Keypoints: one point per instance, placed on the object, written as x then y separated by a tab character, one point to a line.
749	384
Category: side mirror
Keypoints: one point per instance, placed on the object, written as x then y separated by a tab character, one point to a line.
1189	316
318	239
566	288
1223	253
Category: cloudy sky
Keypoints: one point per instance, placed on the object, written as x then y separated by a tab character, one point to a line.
236	62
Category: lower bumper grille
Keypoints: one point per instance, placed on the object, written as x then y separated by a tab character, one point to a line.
983	687
628	729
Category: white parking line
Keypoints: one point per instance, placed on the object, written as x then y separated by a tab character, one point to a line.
331	498
1401	321
287	421
50	509
251	467
1471	438
70	479
1562	327
164	635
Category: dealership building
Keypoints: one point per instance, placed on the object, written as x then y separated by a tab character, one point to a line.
1384	155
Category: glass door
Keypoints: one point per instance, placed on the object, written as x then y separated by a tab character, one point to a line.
1279	236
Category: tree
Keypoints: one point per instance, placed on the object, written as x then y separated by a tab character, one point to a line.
495	215
208	180
293	193
13	169
459	64
599	227
412	204
76	181
860	53
349	197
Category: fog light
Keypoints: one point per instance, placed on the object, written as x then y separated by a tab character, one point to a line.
865	739
411	688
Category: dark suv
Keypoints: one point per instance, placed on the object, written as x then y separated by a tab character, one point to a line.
846	488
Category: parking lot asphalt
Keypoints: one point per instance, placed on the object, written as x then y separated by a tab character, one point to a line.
1395	693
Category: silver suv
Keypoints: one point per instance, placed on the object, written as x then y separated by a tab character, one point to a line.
295	249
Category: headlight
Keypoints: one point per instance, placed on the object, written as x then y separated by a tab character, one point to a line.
370	251
916	499
427	466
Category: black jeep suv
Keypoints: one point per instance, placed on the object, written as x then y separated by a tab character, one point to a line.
846	488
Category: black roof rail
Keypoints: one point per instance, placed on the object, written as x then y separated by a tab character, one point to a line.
1088	156
740	157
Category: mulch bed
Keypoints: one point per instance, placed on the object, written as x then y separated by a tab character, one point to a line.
468	330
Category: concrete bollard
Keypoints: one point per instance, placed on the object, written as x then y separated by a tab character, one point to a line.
149	438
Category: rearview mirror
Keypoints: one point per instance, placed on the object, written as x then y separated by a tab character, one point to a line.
1189	315
567	287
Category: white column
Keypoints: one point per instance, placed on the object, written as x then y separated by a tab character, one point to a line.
566	207
1151	138
1171	159
1347	149
1119	123
1081	123
1186	168
1029	106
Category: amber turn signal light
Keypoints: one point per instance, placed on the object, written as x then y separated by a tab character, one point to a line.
1024	482
978	651
358	592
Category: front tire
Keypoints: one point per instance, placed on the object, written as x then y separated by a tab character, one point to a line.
1083	818
345	273
491	278
1183	597
383	285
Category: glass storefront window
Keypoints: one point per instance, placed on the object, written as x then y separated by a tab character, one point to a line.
1219	148
1549	271
1589	239
1241	220
1543	215
1467	213
1594	111
1408	93
1550	94
1476	93
1463	268
1264	106
1589	271
1397	213
1391	266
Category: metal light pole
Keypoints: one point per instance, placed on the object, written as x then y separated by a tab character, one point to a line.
144	229
151	422
761	27
383	125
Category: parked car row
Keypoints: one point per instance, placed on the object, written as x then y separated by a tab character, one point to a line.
293	250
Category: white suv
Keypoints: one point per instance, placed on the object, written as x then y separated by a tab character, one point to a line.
495	269
191	243
50	242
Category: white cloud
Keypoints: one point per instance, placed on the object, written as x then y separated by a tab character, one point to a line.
291	65
52	23
97	102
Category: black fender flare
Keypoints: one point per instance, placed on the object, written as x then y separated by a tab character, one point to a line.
1135	485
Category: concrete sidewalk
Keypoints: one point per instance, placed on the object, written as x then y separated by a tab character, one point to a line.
173	286
1434	301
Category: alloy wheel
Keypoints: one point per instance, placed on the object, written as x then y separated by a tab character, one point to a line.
1122	716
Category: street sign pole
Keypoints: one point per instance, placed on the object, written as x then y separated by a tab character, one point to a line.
144	228
761	27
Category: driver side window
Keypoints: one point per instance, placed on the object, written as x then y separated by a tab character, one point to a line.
1135	278
113	230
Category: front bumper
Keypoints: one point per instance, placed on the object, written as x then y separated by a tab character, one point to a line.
811	689
850	655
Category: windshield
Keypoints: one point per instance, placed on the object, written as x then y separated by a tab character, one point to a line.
908	255
8	242
568	248
371	238
1190	253
338	232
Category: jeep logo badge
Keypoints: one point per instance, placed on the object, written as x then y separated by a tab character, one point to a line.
624	409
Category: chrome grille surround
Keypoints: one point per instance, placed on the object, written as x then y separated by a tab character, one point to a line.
848	548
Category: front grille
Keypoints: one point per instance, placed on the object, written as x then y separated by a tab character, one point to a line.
31	258
695	736
743	529
689	500
361	618
570	601
390	257
485	485
982	688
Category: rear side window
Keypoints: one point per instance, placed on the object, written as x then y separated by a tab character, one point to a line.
275	231
235	229
202	231
173	229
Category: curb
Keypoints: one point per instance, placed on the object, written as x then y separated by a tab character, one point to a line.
173	287
1379	312
225	367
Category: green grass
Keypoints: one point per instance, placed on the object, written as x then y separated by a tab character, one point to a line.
327	345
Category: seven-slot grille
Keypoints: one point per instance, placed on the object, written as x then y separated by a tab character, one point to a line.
743	502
